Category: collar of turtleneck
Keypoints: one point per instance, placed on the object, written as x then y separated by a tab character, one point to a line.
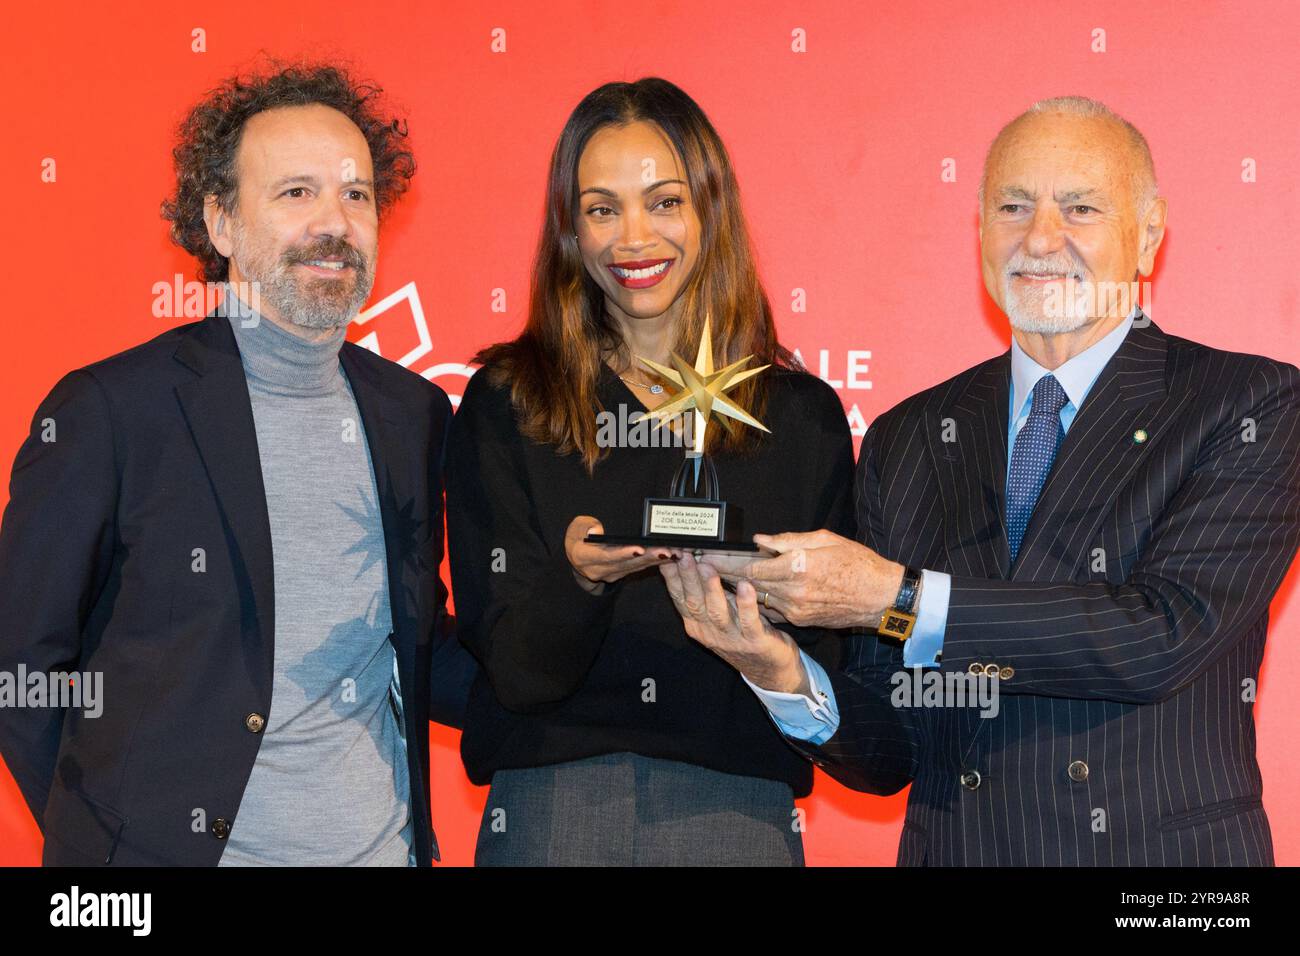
282	362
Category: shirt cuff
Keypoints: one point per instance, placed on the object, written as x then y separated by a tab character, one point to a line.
925	645
814	719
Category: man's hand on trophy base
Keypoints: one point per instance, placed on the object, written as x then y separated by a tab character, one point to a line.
817	579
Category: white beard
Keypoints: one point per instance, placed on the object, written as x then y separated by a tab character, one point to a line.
1029	313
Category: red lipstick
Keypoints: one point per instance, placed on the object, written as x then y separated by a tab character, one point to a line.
640	273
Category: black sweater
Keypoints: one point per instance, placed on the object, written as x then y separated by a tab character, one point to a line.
566	674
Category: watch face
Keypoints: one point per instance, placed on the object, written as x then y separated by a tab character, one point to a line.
896	624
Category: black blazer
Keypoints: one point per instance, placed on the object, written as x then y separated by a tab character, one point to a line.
155	456
1125	734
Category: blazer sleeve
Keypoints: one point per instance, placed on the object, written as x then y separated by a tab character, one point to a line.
874	747
1216	557
452	668
533	629
56	550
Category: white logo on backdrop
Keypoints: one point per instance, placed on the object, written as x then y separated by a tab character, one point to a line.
388	337
409	295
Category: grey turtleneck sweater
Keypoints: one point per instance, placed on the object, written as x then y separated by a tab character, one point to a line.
330	784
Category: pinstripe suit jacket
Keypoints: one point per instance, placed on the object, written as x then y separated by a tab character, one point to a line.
1128	633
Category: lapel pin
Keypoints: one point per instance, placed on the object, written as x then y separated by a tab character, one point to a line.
1139	436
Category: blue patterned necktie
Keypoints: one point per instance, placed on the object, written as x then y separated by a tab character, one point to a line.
1031	457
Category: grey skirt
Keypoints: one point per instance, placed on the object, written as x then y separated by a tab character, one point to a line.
628	810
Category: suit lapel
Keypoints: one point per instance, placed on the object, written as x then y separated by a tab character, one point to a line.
1098	455
219	412
968	445
381	416
220	417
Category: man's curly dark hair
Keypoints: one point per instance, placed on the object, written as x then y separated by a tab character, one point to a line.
209	137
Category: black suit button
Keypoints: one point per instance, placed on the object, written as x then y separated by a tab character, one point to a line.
992	670
254	723
1007	673
976	668
220	828
1078	771
971	779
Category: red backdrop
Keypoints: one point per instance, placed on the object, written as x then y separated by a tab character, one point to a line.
841	120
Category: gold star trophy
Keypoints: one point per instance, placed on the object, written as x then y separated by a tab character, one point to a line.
693	515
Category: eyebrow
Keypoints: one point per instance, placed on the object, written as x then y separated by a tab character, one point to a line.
313	181
1073	195
612	195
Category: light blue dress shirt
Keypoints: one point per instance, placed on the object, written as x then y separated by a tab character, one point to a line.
815	718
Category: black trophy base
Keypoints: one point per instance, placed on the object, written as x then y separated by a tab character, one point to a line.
693	517
684	541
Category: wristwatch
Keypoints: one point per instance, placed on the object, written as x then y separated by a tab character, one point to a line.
898	620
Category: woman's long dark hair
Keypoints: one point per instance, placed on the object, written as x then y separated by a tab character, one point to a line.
554	365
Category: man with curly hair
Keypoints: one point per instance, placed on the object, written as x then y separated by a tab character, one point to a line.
237	528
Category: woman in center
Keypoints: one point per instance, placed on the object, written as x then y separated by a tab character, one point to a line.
607	734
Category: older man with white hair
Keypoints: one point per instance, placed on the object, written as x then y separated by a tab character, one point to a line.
1090	526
